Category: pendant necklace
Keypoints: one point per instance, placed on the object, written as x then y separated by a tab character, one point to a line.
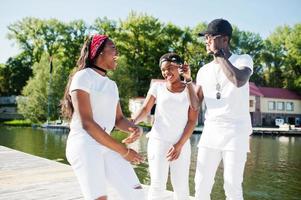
218	86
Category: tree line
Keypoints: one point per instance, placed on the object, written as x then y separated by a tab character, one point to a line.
141	39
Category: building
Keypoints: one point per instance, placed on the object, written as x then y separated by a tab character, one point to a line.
266	106
136	103
269	104
8	108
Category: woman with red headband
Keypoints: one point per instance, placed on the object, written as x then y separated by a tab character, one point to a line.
91	100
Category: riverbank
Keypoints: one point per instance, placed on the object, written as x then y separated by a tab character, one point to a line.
273	131
24	176
277	131
266	131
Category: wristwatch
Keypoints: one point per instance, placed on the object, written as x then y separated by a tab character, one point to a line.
187	82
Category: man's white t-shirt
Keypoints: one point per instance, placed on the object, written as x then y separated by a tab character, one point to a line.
104	98
227	123
171	113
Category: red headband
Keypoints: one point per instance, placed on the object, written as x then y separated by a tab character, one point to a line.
96	42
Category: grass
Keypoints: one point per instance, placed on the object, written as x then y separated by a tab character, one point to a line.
146	125
18	122
118	135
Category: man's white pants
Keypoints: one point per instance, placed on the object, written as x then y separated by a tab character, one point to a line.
159	167
207	163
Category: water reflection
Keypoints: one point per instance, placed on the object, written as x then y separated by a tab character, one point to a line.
273	169
48	144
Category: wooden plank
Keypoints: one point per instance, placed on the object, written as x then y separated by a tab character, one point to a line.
24	176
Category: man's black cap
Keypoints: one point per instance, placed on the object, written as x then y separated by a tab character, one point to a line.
218	27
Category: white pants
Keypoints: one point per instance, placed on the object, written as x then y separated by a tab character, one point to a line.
95	166
159	167
207	163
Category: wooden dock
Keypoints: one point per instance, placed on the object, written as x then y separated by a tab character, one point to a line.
277	131
266	131
24	176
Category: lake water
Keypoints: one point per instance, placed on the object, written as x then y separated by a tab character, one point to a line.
273	168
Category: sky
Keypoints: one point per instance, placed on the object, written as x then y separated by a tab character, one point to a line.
258	16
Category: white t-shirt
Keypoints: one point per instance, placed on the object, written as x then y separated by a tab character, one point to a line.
104	98
171	113
227	123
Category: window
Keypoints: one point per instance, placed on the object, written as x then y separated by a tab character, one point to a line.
251	102
280	105
271	105
289	106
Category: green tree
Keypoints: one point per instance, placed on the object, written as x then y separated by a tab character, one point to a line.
292	71
40	92
282	58
34	104
124	83
14	74
141	40
197	56
47	39
73	35
106	26
271	61
36	36
4	80
245	42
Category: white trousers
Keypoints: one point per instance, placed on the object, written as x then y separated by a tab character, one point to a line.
96	166
207	163
159	167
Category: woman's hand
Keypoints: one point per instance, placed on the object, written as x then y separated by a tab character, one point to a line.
185	71
174	152
136	132
133	157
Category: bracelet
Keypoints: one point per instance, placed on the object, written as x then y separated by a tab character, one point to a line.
127	153
187	82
